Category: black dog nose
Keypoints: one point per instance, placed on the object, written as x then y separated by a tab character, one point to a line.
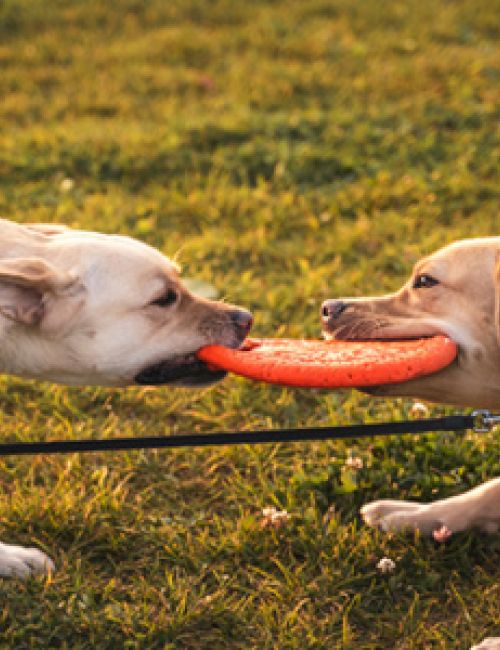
331	309
243	320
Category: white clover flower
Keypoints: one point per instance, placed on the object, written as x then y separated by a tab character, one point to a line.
442	534
386	565
273	518
419	411
354	462
67	185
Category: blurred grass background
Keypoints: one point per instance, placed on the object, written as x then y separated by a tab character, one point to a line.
285	152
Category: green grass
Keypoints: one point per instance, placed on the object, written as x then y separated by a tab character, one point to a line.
286	152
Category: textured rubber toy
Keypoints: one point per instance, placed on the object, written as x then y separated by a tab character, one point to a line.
332	364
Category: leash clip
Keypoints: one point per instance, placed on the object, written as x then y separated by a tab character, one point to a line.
484	421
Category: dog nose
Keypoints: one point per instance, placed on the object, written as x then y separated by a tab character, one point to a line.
242	319
331	309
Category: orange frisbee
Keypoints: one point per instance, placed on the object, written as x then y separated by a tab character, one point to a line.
332	364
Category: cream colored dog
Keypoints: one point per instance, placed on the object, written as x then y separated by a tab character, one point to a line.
83	308
456	291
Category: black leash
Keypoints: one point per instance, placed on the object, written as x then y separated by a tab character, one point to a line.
479	421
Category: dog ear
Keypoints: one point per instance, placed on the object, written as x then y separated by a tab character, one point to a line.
25	284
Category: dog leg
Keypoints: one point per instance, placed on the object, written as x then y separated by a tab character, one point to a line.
491	643
22	562
477	508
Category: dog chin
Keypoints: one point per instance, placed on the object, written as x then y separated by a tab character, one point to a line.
213	377
186	371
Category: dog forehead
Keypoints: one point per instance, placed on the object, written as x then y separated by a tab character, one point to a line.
464	258
113	255
466	248
135	256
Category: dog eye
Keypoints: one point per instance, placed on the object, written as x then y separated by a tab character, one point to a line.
424	282
168	299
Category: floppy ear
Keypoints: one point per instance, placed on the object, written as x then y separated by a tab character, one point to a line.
24	285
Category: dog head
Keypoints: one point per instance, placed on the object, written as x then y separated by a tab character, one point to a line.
84	308
455	292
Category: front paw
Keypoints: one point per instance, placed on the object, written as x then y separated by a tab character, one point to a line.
398	516
488	644
375	513
22	562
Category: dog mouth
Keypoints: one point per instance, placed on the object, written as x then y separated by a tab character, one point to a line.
386	332
184	370
328	336
364	330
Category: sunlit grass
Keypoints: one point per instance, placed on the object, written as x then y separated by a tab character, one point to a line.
285	152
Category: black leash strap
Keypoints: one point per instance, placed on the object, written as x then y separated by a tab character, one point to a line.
479	421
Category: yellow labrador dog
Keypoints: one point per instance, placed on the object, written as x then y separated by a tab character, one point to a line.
84	308
456	291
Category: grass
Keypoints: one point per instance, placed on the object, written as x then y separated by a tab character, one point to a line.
285	152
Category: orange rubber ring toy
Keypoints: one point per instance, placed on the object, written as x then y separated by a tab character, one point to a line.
332	364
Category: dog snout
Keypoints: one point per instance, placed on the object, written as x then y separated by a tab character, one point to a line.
331	309
242	320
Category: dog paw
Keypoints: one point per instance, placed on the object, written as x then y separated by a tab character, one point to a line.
23	562
491	643
375	513
396	516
